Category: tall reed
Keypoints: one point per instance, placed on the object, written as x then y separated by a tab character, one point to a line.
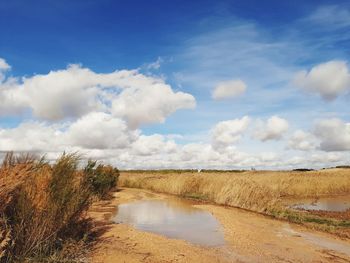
44	205
254	190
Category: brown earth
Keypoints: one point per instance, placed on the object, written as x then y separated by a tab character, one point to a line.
345	215
250	237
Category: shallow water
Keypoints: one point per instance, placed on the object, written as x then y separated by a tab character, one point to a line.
335	204
174	219
323	242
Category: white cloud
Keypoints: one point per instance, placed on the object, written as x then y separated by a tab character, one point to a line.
325	157
329	80
334	134
273	129
302	141
32	136
100	115
156	64
3	68
198	154
129	149
99	130
76	91
11	99
153	144
150	104
229	89
226	133
96	130
3	65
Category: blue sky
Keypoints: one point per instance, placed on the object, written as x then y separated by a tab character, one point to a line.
282	64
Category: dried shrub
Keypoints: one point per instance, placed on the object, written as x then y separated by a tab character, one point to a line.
43	206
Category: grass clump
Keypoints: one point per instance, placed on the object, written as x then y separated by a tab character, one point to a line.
101	178
43	215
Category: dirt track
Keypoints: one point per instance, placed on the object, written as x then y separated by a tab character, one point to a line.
250	238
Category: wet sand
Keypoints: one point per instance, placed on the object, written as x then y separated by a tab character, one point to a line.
249	237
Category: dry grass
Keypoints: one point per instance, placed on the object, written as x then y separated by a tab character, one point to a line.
13	172
43	207
255	190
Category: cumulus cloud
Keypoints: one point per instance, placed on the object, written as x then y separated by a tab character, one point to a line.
153	144
226	133
325	157
3	65
32	136
131	149
329	80
273	129
76	91
198	154
97	114
96	130
334	134
99	130
229	89
302	141
100	115
150	104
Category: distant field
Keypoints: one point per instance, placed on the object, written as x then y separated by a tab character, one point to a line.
259	191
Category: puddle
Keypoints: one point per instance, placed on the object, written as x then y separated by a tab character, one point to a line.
174	219
334	204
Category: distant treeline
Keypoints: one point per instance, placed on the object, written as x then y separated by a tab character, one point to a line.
170	171
303	170
343	166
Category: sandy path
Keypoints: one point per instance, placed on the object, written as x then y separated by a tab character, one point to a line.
250	238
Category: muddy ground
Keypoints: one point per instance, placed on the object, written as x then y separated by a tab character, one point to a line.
250	237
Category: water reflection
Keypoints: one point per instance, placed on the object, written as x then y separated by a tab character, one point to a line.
174	219
335	204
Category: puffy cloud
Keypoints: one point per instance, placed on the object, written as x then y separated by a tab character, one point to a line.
153	144
229	89
96	130
76	91
325	157
3	65
99	130
226	133
11	98
273	129
302	141
98	115
334	134
129	149
150	104
198	154
329	80
32	136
